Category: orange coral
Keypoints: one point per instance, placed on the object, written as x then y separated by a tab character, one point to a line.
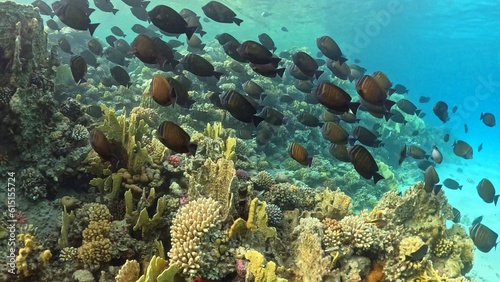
376	274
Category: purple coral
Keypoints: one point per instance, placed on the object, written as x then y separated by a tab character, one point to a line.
241	268
242	174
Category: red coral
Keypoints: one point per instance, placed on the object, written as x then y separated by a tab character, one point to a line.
174	160
20	217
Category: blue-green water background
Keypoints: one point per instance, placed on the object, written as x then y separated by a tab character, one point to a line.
448	50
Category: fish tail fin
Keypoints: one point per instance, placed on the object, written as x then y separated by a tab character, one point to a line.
320	124
192	148
309	161
495	199
280	72
354	107
388	115
417	112
202	32
377	177
482	115
83	80
190	31
202	46
274	49
262	97
391	91
237	21
318	73
145	4
381	144
92	28
217	74
342	60
256	120
460	187
114	11
351	141
407	91
275	60
174	63
437	188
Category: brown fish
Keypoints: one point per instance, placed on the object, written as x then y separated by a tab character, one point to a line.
341	71
480	147
168	20
334	133
298	153
103	147
239	107
253	89
304	86
417	152
78	68
431	180
199	66
452	184
424	99
349	117
462	149
446	137
334	98
64	45
161	91
483	237
454	110
309	120
456	215
256	53
143	47
175	138
402	154
382	81
267	41
121	76
370	91
440	109
365	137
488	119
364	163
466	128
195	43
419	254
220	13
339	151
267	70
306	64
408	107
486	191
330	49
73	16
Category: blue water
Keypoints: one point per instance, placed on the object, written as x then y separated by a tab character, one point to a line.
448	50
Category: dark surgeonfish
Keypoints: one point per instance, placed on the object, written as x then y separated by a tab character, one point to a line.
339	151
175	138
452	184
400	89
454	109
256	53
103	147
89	58
431	180
408	107
224	38
199	66
94	111
220	13
488	119
239	107
309	120
64	45
168	20
483	237
143	47
424	164
417	152
181	87
95	46
446	137
341	71
272	116
349	117
73	16
53	25
140	13
466	128
267	41
115	56
480	147
419	254
486	191
456	215
424	99
117	31
365	137
78	68
462	149
43	8
440	109
330	49
121	76
298	153
398	117
402	154
105	6
306	64
383	81
136	3
364	163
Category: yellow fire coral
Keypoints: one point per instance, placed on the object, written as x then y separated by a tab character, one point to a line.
22	257
260	271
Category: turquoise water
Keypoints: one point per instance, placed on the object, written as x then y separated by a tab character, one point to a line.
449	51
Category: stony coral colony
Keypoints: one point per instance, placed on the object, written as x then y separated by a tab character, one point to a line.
140	212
